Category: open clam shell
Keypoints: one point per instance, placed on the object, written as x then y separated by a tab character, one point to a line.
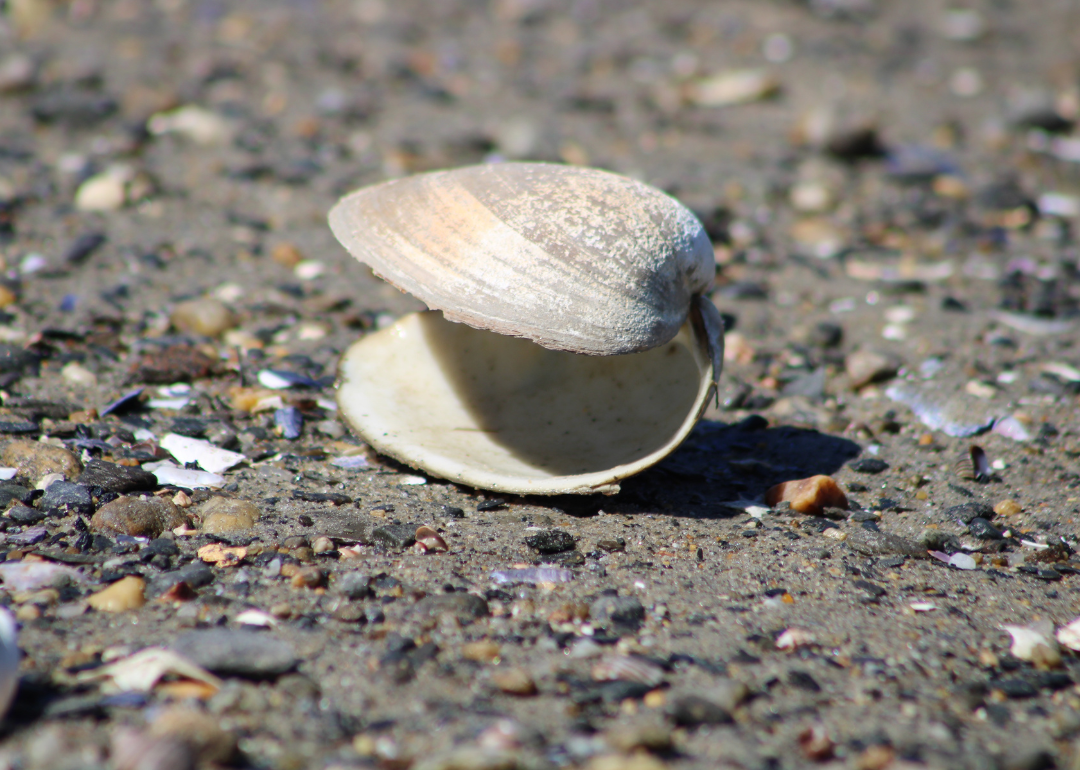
505	414
531	265
572	258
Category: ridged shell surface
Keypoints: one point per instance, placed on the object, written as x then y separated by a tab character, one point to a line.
571	258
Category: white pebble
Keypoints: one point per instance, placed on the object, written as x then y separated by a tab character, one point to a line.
104	192
77	374
195	123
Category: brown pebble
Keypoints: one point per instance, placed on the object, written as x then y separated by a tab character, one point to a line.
875	758
811	496
224	515
514	681
206	317
201	732
308	577
134	750
1007	507
816	744
176	363
483	651
636	761
137	517
647	734
286	254
34	460
125	594
868	366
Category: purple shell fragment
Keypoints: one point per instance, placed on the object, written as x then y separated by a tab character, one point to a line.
289	421
532	575
123	403
29	536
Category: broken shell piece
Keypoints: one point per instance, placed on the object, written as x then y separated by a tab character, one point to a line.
1035	643
431	540
1069	635
576	261
794	638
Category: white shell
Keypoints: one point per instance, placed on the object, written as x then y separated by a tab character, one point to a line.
572	258
505	414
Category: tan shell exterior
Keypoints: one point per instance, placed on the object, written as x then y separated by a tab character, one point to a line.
504	414
571	258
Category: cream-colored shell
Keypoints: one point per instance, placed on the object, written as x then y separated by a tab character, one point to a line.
572	258
505	414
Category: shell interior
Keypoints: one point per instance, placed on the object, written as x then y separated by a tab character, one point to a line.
505	414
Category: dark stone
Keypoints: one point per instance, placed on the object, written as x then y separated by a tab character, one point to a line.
551	541
816	524
803	681
1015	688
189	426
694	711
74	108
163	547
236	653
616	692
983	529
9	490
66	497
826	334
398	536
21	514
965	512
452	512
334	498
623	614
16	359
353	585
1042	573
871	465
465	607
176	363
490	505
936	540
871	588
18	427
120	479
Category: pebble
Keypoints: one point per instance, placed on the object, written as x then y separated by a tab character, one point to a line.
206	317
872	543
869	465
514	681
20	514
17	73
864	367
695	710
133	750
551	541
236	652
353	585
481	651
195	123
201	732
125	594
175	363
965	512
620	614
464	607
734	87
137	517
1008	507
308	577
10	491
225	515
983	530
636	761
104	192
811	495
397	536
117	478
63	498
648	734
77	374
34	460
936	540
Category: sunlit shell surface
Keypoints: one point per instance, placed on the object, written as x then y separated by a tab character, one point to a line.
571	258
505	414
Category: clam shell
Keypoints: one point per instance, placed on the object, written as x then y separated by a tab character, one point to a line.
506	414
571	258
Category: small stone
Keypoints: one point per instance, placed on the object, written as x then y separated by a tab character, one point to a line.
983	529
868	366
734	87
63	498
233	652
872	589
21	514
551	541
201	732
482	651
322	544
125	594
514	681
636	761
397	536
17	73
1008	507
133	750
968	511
812	495
308	577
197	124
175	363
117	478
18	427
77	374
869	465
34	460
464	607
803	681
353	585
936	540
648	734
137	517
10	491
286	254
695	710
884	544
104	192
224	515
622	614
206	317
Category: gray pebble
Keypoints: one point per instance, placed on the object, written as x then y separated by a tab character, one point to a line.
883	544
464	607
65	497
694	711
116	478
551	541
353	585
398	536
232	652
968	511
617	613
